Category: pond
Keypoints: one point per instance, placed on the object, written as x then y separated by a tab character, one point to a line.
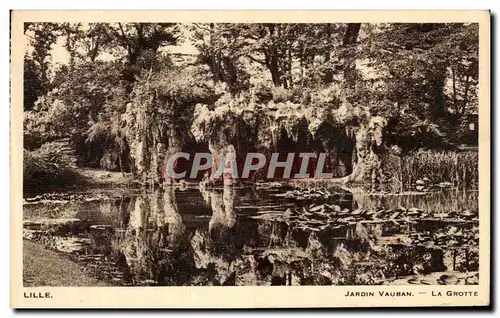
272	235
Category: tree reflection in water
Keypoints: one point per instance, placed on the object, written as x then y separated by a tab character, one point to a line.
212	249
153	242
220	237
222	204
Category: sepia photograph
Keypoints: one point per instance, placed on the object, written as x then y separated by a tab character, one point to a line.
214	153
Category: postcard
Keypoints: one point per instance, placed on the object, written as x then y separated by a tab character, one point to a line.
250	159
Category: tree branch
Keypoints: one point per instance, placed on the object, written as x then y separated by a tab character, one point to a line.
200	27
255	59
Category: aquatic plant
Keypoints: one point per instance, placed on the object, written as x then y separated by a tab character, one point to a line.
431	166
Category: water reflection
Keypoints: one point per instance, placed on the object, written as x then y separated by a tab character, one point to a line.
222	204
201	236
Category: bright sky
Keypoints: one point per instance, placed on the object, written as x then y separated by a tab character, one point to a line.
59	53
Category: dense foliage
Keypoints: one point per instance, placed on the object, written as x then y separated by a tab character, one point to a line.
47	167
126	99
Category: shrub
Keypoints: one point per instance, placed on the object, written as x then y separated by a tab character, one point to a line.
48	167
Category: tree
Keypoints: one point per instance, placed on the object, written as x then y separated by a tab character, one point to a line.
221	47
334	88
141	42
37	60
414	86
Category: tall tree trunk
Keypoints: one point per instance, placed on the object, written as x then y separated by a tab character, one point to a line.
301	63
466	95
94	52
214	56
437	83
272	65
350	39
230	72
271	56
289	66
454	84
329	71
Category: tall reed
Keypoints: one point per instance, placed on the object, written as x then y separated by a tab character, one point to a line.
459	168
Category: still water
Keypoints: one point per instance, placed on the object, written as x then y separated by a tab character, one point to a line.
262	236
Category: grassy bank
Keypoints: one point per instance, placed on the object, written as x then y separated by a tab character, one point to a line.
42	267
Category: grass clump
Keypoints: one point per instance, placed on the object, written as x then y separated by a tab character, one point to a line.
459	168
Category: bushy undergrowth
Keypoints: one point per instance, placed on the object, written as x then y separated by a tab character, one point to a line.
48	167
459	168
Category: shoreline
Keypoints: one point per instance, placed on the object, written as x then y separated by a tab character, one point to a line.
99	180
44	267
